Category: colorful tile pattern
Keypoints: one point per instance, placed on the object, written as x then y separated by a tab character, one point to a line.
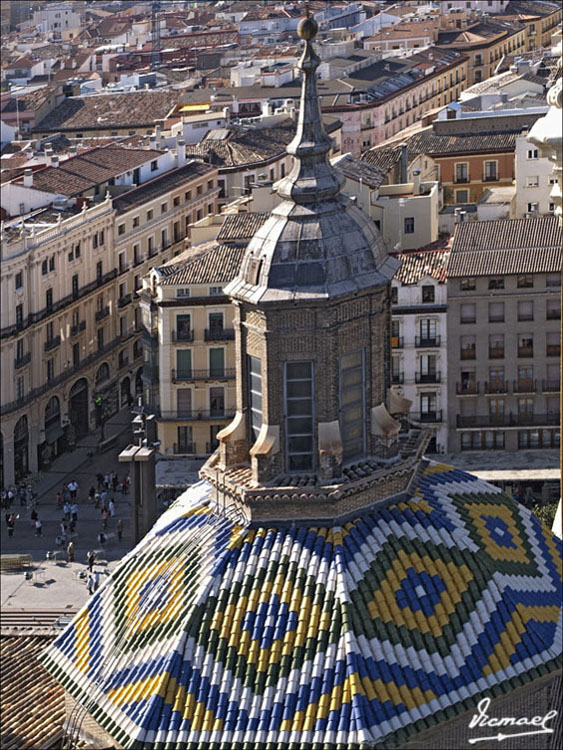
317	637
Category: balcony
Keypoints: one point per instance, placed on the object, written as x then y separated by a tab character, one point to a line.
219	334
461	180
491	178
553	350
185	375
496	352
467	319
468	353
553	314
22	361
101	314
496	386
427	377
551	386
397	378
424	341
78	328
499	318
467	388
185	448
182	336
397	342
526	351
427	416
52	343
124	301
526	385
184	415
508	420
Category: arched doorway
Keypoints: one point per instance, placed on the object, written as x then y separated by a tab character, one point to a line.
78	407
21	449
53	432
125	395
139	382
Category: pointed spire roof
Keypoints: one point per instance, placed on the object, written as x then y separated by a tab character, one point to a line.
317	244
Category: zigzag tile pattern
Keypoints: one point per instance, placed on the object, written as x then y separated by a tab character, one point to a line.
210	635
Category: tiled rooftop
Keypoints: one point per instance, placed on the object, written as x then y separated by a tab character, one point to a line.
163	184
134	109
416	265
217	264
86	170
241	226
343	636
518	246
371	175
32	701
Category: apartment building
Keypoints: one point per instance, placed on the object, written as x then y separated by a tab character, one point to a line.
190	357
534	181
484	43
69	328
419	360
504	329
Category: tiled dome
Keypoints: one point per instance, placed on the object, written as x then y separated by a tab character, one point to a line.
210	634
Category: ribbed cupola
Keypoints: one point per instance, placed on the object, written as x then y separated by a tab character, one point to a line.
312	321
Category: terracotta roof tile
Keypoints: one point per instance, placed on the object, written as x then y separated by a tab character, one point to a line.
416	265
241	226
88	169
485	248
218	264
134	109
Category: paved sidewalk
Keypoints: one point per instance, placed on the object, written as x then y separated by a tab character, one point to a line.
58	584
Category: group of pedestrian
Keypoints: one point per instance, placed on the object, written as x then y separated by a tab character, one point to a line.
24	494
111	481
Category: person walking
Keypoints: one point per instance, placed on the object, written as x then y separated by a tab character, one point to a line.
11	523
119	529
59	499
104	498
107	479
101	538
38	527
34	516
73	489
70	552
114	481
96	580
92	493
10	497
66	511
74	512
123	486
23	497
90	558
105	516
90	584
111	507
63	529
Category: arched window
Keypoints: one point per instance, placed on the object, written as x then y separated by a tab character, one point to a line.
52	412
103	373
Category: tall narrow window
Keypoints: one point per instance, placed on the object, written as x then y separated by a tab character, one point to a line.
255	394
299	415
184	363
352	389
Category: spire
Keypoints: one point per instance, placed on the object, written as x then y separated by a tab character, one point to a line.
312	177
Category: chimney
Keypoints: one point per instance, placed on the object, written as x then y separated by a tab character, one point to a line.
158	135
404	164
55	161
28	178
181	149
153	143
226	113
48	155
457	217
416	181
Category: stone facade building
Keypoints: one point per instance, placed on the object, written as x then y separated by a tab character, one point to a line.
504	330
70	328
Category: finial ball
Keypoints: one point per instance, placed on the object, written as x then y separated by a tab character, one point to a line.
307	28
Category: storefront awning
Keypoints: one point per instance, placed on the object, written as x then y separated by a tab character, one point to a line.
53	433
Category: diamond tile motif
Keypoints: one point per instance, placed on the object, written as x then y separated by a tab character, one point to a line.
317	637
